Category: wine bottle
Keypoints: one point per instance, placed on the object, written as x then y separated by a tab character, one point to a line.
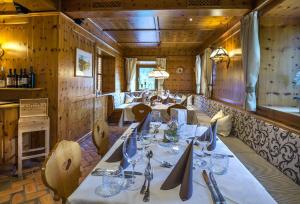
9	79
31	78
2	78
25	79
15	79
20	79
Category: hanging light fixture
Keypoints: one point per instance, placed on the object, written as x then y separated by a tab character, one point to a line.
219	54
159	73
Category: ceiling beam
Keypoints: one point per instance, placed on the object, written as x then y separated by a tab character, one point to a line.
233	24
7	7
198	42
151	29
40	5
125	8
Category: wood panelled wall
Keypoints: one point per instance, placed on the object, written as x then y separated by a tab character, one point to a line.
228	82
176	57
75	109
280	51
32	44
184	82
108	74
48	43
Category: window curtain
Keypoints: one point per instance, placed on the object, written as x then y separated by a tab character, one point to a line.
198	73
162	62
250	57
206	76
131	74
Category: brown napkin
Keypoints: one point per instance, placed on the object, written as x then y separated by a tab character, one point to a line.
184	102
166	100
145	124
210	135
182	174
117	155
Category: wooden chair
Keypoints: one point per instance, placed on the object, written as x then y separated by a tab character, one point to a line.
61	170
101	137
33	117
178	106
140	111
156	97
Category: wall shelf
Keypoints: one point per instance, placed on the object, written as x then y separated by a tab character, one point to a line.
21	89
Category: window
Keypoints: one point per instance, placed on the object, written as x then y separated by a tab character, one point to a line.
99	76
144	82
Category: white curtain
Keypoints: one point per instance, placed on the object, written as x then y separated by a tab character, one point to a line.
206	76
250	57
198	73
131	74
162	62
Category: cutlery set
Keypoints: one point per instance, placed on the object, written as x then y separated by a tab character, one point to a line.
213	187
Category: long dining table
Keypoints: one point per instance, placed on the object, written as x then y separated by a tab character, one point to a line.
237	185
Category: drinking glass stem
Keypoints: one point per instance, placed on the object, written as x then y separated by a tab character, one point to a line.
132	174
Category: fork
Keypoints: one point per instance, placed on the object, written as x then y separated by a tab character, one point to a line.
146	174
149	178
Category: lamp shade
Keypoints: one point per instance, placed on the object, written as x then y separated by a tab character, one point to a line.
159	73
218	54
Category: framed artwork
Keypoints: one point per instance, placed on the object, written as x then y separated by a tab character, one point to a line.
84	63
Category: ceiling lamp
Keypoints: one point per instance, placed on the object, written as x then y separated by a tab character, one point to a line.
159	73
218	55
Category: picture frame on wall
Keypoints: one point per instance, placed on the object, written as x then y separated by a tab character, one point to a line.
84	63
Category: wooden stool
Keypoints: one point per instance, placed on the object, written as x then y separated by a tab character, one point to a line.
31	121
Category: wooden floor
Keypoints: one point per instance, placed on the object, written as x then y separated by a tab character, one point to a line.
281	188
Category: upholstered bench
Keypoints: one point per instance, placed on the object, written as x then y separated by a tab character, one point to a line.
270	153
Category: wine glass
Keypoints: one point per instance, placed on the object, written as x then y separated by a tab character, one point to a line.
203	141
145	138
133	152
156	122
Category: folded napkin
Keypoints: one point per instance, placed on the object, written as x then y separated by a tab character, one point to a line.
145	123
117	155
182	174
210	135
184	102
166	100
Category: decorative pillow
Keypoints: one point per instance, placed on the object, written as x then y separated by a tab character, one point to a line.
224	126
219	115
128	99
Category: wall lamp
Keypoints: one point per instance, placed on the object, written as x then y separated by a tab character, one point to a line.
219	54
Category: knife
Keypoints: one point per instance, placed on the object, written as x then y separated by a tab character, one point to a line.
100	172
213	193
213	180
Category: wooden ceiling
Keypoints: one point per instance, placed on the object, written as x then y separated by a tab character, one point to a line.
286	9
159	23
187	24
164	31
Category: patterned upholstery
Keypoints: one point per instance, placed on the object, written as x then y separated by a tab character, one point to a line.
277	145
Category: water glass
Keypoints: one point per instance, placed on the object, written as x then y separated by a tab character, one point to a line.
133	157
219	163
111	182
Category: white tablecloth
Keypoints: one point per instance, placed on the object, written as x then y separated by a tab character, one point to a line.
128	116
238	185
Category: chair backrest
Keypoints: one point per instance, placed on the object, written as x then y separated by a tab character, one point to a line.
178	106
36	107
156	97
101	137
61	170
140	111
